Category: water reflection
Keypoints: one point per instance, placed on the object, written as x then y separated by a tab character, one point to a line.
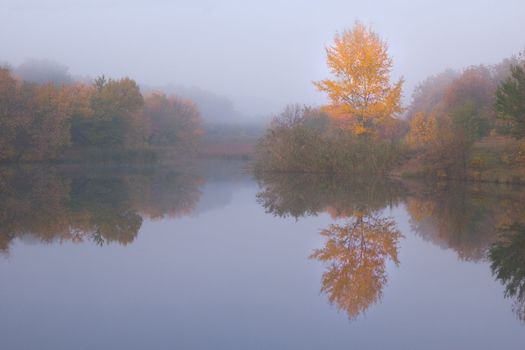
356	251
508	264
479	223
301	195
80	204
465	218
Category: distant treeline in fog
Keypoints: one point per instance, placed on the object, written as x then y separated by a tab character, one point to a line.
213	107
55	116
48	114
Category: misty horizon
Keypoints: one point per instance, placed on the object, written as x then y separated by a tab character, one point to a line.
260	57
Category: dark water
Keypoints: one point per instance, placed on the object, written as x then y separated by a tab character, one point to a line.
207	257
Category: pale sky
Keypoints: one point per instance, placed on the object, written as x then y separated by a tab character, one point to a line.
260	54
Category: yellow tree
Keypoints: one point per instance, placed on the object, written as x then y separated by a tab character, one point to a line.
357	253
361	92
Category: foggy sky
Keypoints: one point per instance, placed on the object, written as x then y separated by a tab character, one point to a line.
260	54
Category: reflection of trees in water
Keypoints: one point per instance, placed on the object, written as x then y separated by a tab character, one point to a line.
298	195
463	216
165	194
356	253
104	205
508	264
459	216
53	204
30	203
468	219
478	221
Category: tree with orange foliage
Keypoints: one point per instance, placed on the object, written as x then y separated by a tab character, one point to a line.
34	119
173	121
49	131
361	92
356	253
423	130
9	110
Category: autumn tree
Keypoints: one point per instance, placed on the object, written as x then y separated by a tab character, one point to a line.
449	113
34	119
429	94
356	254
423	130
50	122
510	101
172	121
469	100
429	130
117	116
360	90
10	108
465	116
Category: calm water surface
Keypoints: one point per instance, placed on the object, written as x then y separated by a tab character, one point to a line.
208	257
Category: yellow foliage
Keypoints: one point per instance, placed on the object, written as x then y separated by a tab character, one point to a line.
356	254
360	90
359	129
419	209
423	130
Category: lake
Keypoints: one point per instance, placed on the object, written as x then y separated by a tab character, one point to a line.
207	256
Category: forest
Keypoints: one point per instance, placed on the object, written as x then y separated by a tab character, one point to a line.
109	118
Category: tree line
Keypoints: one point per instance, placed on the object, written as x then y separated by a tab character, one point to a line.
452	112
45	121
365	129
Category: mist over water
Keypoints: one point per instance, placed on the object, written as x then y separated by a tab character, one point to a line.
262	175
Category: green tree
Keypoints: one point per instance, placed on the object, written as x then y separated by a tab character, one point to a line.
510	102
117	116
469	100
508	264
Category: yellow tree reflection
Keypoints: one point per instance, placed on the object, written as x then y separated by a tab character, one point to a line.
356	253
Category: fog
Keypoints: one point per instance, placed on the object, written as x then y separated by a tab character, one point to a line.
260	55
